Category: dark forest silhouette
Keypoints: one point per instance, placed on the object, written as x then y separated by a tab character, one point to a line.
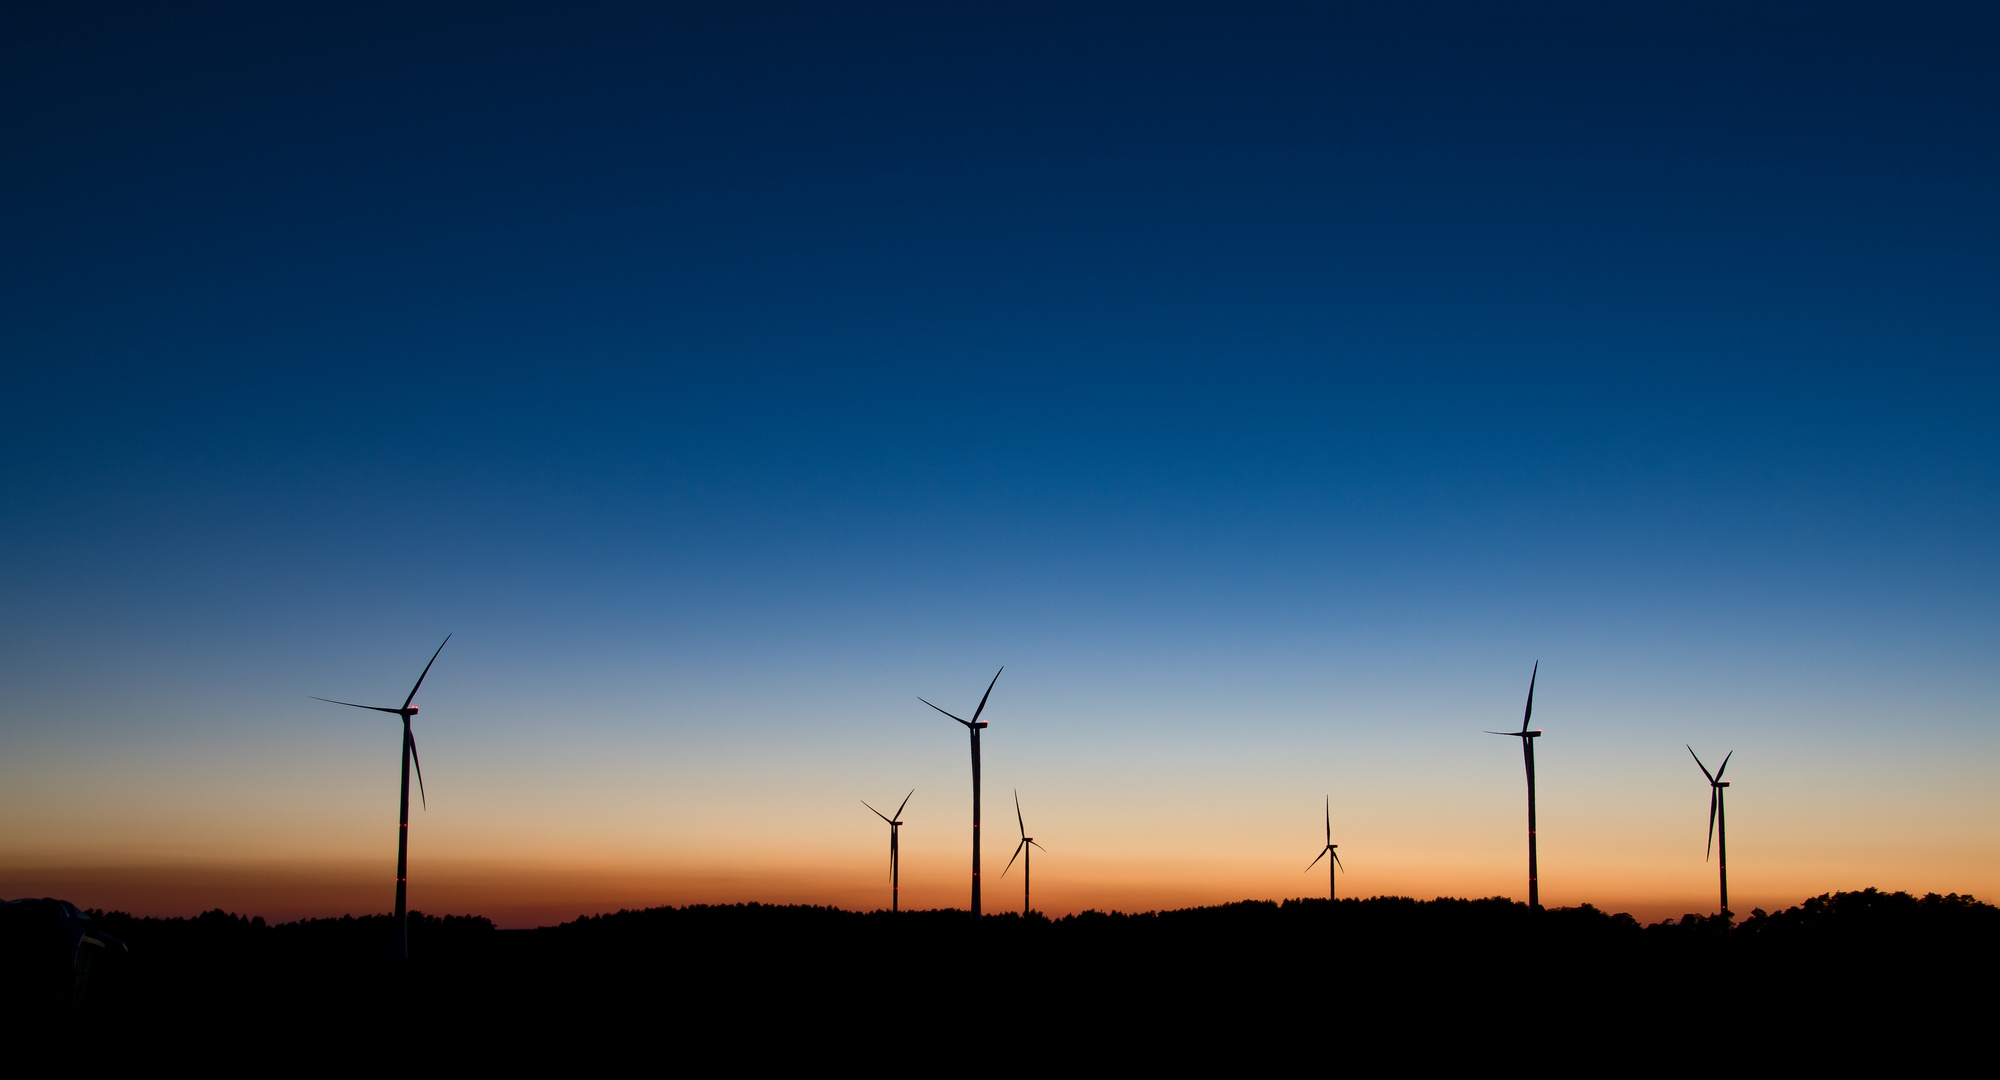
1901	963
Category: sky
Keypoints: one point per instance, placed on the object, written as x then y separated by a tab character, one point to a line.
1269	387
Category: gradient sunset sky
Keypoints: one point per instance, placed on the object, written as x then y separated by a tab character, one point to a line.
1268	387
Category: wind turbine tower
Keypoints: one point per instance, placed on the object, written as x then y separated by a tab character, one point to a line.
1528	756
1328	850
1024	848
975	726
403	825
1718	820
895	864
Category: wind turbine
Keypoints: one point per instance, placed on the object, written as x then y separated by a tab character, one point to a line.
895	825
1718	820
974	725
1528	755
1023	848
1327	850
403	828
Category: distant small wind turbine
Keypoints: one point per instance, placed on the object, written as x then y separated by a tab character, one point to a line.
1024	848
1327	850
895	826
1718	820
975	726
1528	755
403	827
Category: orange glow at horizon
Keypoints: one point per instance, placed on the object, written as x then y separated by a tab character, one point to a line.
535	826
524	894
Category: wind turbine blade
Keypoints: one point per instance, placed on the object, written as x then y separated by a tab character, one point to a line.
427	671
1337	862
1316	859
1510	734
420	766
1036	842
377	708
1711	825
1016	855
1329	819
1017	812
987	694
1724	765
1531	697
967	723
1699	765
877	813
906	802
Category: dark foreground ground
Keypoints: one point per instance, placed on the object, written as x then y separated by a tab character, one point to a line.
1390	982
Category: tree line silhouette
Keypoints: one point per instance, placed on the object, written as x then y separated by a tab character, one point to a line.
1895	961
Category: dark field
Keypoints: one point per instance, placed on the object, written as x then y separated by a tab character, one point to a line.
1382	980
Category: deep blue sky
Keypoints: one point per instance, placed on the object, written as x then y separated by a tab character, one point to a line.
720	360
